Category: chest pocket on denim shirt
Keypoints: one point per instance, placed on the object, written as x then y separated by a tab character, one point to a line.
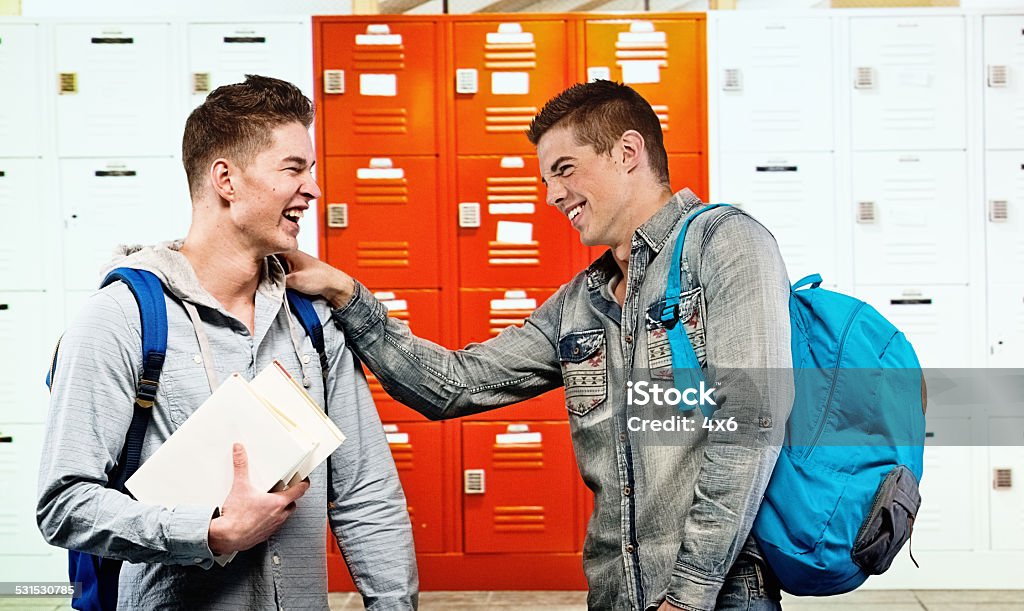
691	316
584	369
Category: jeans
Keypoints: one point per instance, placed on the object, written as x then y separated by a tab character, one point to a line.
749	586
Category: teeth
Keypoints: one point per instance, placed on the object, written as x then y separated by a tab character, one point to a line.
294	214
575	212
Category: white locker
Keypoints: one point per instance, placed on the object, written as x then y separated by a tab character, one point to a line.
108	203
1004	201
945	519
792	195
21	80
73	302
223	53
115	91
1006	325
25	242
775	83
24	555
911	213
1006	468
908	78
936	320
27	335
1004	81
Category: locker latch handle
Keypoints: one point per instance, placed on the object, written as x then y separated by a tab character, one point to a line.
865	78
334	81
998	76
1002	479
732	80
473	481
998	210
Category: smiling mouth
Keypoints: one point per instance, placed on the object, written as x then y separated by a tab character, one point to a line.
294	215
574	212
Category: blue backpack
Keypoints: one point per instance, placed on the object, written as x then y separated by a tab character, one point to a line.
99	575
843	497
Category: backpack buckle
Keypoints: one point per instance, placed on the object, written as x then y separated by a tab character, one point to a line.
146	394
669	315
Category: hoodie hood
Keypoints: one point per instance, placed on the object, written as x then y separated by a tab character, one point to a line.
175	271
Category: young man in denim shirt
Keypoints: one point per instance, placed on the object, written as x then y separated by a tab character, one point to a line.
671	524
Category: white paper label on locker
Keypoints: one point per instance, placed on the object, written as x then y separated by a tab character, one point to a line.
385	85
512	163
513	304
384	296
514	438
511	38
396	305
510	83
378	39
524	208
641	71
380	174
397	437
641	38
599	73
510	232
390	428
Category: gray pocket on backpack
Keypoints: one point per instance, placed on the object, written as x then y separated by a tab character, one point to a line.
889	524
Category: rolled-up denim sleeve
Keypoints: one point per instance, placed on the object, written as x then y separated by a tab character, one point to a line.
520	363
748	352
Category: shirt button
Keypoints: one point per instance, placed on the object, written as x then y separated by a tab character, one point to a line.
627	490
276	559
630	549
198	560
305	358
197	359
306	382
622	437
629	339
330	505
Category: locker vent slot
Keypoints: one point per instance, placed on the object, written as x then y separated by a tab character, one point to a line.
68	83
473	481
500	319
1002	479
998	210
998	76
382	191
662	111
376	389
865	78
512	189
915	301
469	215
867	213
733	80
337	216
380	121
334	81
403	455
245	40
378	58
509	119
519	456
382	254
200	82
510	56
518	518
112	40
502	253
777	168
110	173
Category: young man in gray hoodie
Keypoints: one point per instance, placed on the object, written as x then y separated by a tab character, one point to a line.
248	157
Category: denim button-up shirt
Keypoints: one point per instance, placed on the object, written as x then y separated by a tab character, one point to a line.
669	520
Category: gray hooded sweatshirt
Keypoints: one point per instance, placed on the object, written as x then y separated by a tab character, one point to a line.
98	366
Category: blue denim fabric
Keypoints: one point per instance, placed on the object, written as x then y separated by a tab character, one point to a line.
668	519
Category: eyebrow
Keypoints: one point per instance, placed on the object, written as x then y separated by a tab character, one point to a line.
297	160
560	161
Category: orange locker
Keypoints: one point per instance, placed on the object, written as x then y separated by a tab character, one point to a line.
379	87
518	482
504	72
382	220
508	235
663	59
416	448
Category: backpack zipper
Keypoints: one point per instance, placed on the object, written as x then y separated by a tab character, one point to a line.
832	388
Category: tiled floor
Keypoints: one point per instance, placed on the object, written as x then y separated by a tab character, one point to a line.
866	600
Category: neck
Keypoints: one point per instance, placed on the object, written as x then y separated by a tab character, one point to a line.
224	268
642	206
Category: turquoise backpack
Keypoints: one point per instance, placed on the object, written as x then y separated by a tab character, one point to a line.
844	493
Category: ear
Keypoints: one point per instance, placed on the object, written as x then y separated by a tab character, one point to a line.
632	148
221	176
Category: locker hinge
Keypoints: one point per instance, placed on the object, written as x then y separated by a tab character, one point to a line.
867	213
467	81
732	80
337	216
473	481
1002	479
998	210
334	81
998	76
865	78
469	214
201	82
68	83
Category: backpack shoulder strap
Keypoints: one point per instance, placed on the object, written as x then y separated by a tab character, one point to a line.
302	305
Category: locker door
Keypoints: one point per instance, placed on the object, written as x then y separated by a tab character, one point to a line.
28	334
934	318
500	84
908	82
382	220
944	520
416	449
792	195
21	70
108	203
1004	81
1004	195
664	61
1006	468
24	555
25	239
421	310
115	92
507	234
775	83
379	88
223	53
1006	325
517	487
486	313
910	218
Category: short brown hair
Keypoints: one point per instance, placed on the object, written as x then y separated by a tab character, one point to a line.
236	122
599	113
